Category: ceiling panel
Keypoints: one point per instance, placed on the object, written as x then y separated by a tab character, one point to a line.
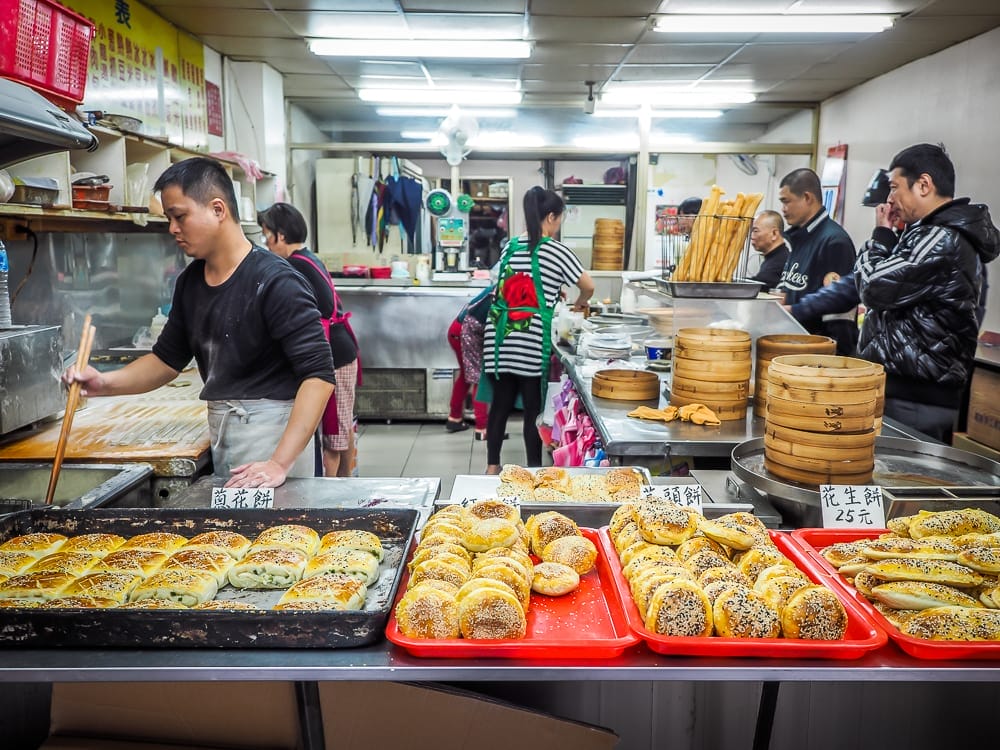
593	7
570	73
333	24
682	53
457	6
209	20
169	7
303	64
479	69
578	54
598	30
256	48
316	86
653	73
807	89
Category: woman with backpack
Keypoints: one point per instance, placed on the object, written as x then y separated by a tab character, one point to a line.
533	269
285	235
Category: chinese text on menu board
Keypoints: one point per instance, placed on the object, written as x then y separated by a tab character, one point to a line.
242	497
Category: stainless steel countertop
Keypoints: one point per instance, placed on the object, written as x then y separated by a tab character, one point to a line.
383	661
624	436
397	285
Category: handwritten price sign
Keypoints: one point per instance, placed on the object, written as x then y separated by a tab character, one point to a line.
686	495
848	506
242	498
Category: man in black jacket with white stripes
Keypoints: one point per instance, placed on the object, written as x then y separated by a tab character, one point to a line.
923	289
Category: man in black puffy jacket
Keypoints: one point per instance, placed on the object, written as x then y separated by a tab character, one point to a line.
922	290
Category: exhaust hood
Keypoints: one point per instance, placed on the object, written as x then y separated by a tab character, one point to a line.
32	126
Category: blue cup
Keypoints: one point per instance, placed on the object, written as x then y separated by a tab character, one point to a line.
659	349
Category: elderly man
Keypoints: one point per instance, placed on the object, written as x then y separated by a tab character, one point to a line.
768	239
923	290
822	252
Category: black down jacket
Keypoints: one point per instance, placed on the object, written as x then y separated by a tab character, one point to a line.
922	296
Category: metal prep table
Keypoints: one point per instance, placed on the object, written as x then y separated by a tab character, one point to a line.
402	330
166	428
648	699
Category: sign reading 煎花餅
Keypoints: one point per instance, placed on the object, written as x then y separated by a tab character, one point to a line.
133	50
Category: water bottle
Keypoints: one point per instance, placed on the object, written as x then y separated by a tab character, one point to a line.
5	321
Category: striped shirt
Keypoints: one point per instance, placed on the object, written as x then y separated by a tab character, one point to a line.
521	351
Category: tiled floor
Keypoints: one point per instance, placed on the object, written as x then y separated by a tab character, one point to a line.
426	449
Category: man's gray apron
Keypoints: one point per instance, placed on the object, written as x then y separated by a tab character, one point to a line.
246	431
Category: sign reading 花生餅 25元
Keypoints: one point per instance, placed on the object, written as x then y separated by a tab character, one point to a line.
143	66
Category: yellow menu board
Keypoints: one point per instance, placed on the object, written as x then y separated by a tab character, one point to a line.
143	66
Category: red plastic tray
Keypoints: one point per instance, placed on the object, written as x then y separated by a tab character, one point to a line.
589	623
813	540
862	635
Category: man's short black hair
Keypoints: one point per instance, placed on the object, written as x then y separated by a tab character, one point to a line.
284	219
802	181
929	159
201	179
689	207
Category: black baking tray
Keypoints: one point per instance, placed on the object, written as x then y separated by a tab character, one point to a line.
106	628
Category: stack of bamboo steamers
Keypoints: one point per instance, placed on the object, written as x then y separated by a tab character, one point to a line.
711	366
821	418
608	245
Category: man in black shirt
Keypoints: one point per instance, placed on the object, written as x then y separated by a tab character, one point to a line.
822	252
768	240
251	323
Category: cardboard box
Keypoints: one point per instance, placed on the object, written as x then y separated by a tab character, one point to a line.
443	719
255	715
984	408
963	442
479	188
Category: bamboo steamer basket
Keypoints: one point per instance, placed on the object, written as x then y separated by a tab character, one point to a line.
821	438
880	401
712	366
776	345
625	385
608	245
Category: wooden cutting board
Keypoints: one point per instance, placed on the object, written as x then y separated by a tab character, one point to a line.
167	428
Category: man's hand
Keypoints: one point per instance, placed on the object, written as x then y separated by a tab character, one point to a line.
90	380
883	215
259	474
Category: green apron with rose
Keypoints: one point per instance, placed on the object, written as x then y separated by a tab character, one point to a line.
518	299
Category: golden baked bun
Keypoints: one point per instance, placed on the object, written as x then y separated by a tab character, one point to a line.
490	533
971	541
981	559
440	570
80	602
921	595
426	612
784	568
865	582
714	590
814	613
438	550
954	523
484	509
664	523
547	527
363	541
114	586
38	545
900	525
627	536
730	534
444	528
554	579
696	544
513	579
954	624
895	616
512	552
756	559
98	545
722	573
434	583
638	566
555	478
931	571
231	543
157	541
743	518
227	605
521	491
623	515
929	548
76	563
990	596
589	488
854	567
645	584
13	563
699	562
577	552
491	614
648	551
679	608
515	474
624	483
776	591
473	584
741	613
841	552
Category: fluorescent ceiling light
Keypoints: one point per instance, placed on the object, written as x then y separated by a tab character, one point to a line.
661	97
659	114
418	95
421	135
458	48
485	112
467	83
608	142
485	140
790	23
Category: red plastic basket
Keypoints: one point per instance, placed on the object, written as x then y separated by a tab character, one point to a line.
47	47
862	635
814	540
588	623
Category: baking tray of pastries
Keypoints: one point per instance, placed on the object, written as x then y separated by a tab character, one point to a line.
587	623
256	578
945	622
679	604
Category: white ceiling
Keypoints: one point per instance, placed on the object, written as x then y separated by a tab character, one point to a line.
605	41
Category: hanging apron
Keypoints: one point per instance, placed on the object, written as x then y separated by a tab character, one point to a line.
242	432
500	312
330	421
